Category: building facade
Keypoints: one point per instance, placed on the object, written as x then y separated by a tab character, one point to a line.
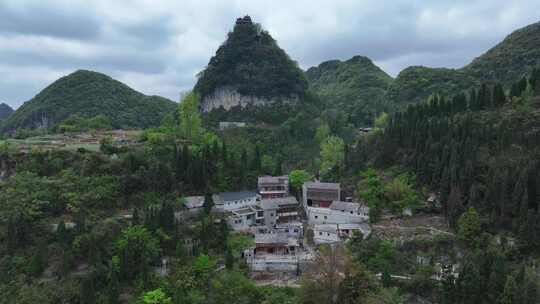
273	186
338	212
320	195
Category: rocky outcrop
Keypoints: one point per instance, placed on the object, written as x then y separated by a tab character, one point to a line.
229	98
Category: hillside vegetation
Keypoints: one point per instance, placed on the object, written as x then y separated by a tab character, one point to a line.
251	62
356	86
89	94
508	61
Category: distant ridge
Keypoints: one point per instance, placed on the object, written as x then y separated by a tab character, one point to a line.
5	110
88	94
357	86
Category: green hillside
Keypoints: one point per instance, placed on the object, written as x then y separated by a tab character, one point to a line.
89	94
357	86
251	62
415	84
509	60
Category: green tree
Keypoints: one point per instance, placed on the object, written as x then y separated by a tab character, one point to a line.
61	234
510	291
190	120
297	178
208	203
156	296
38	260
322	133
469	227
137	249
332	154
88	291
381	121
229	258
113	288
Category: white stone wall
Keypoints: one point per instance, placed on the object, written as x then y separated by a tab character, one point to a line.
229	98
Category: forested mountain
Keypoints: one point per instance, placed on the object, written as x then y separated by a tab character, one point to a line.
479	150
511	59
89	94
249	68
415	84
5	110
356	86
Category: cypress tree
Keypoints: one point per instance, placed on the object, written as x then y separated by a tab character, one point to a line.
229	259
510	291
88	292
135	220
208	203
38	260
61	234
499	97
113	289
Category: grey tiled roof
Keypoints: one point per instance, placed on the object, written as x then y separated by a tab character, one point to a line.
319	185
289	200
236	196
344	206
267	179
271	238
194	202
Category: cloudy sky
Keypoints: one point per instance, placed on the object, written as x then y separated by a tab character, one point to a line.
158	46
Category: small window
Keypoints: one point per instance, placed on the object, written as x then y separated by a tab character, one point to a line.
325	217
351	212
320	233
295	230
328	234
286	230
316	216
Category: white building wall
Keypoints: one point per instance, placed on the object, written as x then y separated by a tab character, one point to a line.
232	205
325	237
240	223
329	216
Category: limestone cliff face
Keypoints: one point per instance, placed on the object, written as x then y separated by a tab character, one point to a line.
228	98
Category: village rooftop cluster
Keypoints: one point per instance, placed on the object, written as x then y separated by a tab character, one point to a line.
286	231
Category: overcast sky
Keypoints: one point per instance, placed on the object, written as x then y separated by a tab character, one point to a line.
158	46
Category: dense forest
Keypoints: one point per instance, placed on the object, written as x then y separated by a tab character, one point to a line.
480	152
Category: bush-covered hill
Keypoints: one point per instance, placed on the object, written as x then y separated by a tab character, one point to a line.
5	110
89	94
356	86
511	59
415	84
251	63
